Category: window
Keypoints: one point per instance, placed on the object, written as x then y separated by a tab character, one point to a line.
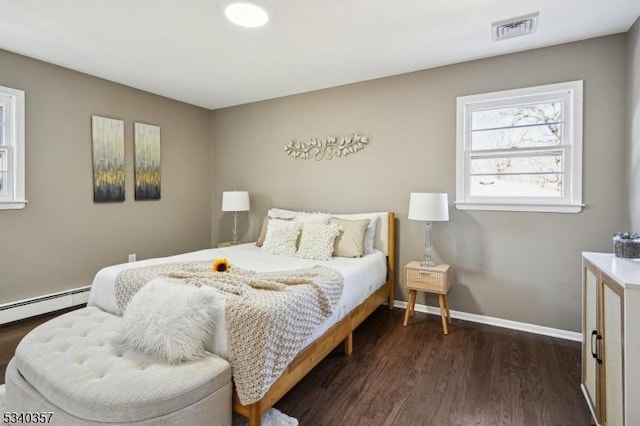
12	152
521	150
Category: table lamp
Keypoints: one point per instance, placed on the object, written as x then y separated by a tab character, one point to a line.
235	201
428	207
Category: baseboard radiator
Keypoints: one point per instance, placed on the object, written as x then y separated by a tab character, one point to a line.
21	309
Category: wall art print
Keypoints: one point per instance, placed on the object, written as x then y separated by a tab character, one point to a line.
147	161
108	159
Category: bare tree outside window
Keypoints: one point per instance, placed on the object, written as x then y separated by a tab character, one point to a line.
516	155
519	148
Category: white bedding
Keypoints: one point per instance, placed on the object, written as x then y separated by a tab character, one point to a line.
362	277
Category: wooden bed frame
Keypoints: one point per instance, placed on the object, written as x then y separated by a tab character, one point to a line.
342	331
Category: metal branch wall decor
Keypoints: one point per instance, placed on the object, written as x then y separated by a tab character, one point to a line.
327	149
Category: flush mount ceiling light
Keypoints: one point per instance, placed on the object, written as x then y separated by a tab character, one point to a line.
246	14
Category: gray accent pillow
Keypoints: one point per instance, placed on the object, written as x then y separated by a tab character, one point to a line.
350	242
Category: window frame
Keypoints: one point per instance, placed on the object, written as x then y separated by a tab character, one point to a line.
571	93
13	101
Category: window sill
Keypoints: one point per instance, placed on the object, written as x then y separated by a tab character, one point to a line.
541	208
13	205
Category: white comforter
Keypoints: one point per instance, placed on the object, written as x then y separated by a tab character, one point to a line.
362	277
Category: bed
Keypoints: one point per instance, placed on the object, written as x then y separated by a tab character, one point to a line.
368	282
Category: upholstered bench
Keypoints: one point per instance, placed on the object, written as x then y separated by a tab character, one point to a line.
70	366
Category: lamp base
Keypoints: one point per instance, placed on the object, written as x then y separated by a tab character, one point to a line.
235	228
428	247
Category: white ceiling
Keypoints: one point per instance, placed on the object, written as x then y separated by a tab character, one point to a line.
186	50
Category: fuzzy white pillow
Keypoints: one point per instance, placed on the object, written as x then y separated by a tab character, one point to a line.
317	240
170	321
281	238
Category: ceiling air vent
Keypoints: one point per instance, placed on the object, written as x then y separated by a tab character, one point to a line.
515	27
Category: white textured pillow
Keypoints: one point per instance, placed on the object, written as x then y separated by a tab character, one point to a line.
265	226
317	240
281	238
170	321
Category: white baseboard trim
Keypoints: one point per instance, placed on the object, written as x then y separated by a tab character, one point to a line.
14	311
21	309
497	322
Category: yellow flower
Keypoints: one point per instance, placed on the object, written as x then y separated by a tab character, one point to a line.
221	265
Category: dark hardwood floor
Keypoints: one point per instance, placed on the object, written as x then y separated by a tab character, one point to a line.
414	375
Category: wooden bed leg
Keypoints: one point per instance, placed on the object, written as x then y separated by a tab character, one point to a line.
255	414
348	344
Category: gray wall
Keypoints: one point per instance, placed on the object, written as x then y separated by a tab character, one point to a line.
517	266
633	125
61	239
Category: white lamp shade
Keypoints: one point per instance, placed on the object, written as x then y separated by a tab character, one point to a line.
428	206
235	201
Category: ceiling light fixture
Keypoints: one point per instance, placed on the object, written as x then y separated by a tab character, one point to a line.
246	14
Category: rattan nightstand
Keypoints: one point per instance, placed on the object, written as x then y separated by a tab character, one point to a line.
432	279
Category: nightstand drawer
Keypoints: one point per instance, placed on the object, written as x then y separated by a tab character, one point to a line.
434	279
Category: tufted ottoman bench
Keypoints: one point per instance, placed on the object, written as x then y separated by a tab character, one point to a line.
69	366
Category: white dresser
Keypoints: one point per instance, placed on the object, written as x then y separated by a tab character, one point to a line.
611	338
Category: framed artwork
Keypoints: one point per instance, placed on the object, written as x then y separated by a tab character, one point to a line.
147	161
108	159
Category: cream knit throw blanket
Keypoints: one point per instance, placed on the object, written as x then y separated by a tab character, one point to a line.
269	315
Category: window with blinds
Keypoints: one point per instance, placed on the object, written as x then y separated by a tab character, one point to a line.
521	149
12	149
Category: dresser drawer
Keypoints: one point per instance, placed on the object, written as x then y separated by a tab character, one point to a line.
425	279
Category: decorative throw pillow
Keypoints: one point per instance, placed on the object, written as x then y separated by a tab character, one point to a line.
350	242
170	321
281	238
281	213
263	232
265	225
299	216
317	240
304	217
370	236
